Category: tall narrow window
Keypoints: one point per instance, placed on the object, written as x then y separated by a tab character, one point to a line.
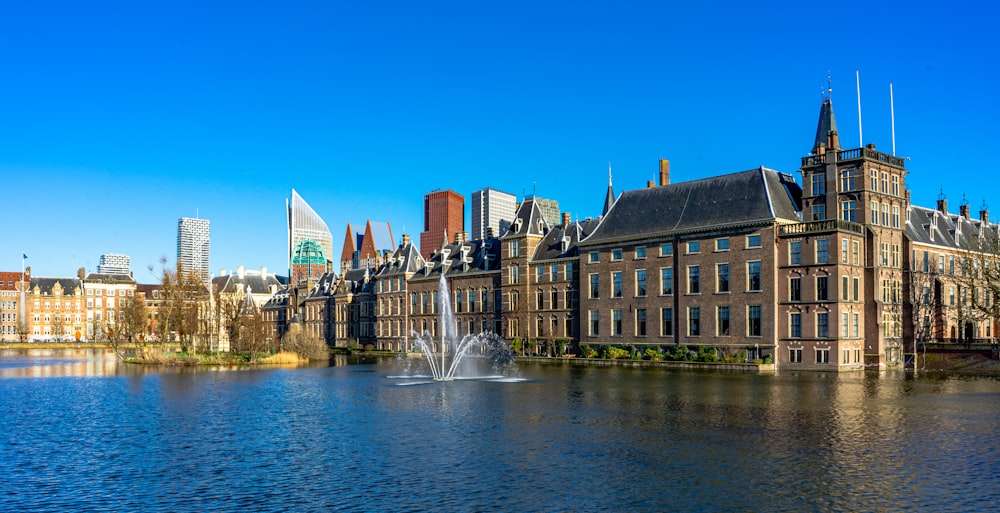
694	280
640	322
722	272
823	324
595	322
795	289
667	322
595	286
822	251
822	289
795	252
848	210
722	316
616	284
616	323
694	321
753	321
818	184
795	325
640	282
666	280
753	276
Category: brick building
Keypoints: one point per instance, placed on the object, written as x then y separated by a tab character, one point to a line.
444	215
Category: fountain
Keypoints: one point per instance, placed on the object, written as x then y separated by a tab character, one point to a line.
444	365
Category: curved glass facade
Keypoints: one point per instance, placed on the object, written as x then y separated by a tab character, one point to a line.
304	223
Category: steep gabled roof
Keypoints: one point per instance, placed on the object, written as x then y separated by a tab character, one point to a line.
748	197
347	254
528	220
46	285
404	260
932	227
561	242
457	259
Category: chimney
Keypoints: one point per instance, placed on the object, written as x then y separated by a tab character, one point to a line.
984	213
222	272
240	271
963	210
565	219
489	232
81	273
906	194
459	237
406	239
263	271
942	204
650	184
664	172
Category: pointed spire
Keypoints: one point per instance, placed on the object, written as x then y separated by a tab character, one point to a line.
609	200
826	129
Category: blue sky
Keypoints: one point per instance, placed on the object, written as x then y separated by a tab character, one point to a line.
117	118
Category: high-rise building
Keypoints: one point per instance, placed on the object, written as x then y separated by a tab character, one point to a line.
305	223
492	209
114	263
193	245
444	216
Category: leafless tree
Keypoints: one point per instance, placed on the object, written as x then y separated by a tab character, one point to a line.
129	330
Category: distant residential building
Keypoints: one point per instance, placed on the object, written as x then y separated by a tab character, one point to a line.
444	216
114	263
193	243
492	209
106	296
11	306
305	223
56	309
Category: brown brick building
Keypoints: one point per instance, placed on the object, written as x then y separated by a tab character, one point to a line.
444	215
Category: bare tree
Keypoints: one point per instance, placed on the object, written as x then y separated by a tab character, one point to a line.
980	279
130	329
179	309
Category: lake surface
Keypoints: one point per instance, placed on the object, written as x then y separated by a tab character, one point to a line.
80	432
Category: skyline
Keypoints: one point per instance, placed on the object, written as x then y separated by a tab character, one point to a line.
122	120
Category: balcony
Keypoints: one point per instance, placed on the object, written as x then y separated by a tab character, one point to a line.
867	153
830	225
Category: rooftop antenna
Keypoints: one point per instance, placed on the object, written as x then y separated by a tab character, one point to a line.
892	114
609	173
829	87
857	78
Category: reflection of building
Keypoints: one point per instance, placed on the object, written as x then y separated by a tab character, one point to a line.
492	209
305	223
367	249
114	263
193	245
444	215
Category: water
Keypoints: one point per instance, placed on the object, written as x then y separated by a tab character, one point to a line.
98	435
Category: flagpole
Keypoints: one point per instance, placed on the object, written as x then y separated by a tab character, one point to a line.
24	322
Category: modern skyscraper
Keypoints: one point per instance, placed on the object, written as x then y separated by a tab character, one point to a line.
444	215
492	209
549	209
305	223
114	263
193	245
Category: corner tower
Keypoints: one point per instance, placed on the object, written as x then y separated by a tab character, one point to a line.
866	187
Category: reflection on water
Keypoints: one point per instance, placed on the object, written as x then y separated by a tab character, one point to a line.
561	438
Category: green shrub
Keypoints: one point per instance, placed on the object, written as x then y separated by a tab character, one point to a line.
617	353
653	354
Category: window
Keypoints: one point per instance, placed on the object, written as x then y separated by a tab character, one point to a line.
795	355
694	280
895	185
753	241
722	274
554	299
640	282
874	181
667	322
874	219
795	289
514	248
753	321
694	247
940	264
848	211
616	323
795	325
844	324
640	322
722	317
666	249
569	271
458	301
694	321
896	262
843	251
472	301
595	286
822	289
616	284
885	183
722	244
822	251
885	214
616	255
819	212
795	253
818	184
895	216
847	180
823	355
855	252
594	257
753	276
823	324
666	280
855	325
595	322
640	252
539	300
540	274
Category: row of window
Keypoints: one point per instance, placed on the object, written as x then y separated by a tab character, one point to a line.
822	355
889	184
694	327
822	288
667	249
722	281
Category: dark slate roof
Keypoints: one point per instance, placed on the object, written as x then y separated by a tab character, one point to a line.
45	284
326	285
109	278
562	242
257	283
528	220
404	260
827	123
930	226
749	197
458	259
609	200
278	300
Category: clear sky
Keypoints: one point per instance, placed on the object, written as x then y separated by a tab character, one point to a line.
117	118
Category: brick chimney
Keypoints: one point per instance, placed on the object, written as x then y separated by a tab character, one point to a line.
565	219
460	237
942	203
963	210
650	184
984	213
664	172
406	239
